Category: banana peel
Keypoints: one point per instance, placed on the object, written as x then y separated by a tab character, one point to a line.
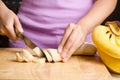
114	27
111	62
107	40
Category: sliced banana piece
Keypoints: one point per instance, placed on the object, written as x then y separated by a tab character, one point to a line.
26	55
39	60
38	52
55	55
52	54
48	56
86	49
19	57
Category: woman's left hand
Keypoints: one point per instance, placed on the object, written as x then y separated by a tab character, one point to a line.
74	36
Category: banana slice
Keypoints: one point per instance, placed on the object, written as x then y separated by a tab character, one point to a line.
19	57
86	49
48	56
38	52
55	55
39	60
26	55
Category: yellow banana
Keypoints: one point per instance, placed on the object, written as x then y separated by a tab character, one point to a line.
110	62
107	40
117	41
102	41
114	27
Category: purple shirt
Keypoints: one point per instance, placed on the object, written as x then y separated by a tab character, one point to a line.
44	21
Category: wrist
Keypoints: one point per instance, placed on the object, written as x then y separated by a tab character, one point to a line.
85	28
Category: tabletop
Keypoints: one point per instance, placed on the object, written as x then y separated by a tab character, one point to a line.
77	68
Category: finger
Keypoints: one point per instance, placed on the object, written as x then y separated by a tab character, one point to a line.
2	31
17	25
65	36
78	43
10	33
9	28
12	27
70	41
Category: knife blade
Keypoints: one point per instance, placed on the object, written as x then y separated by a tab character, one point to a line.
27	41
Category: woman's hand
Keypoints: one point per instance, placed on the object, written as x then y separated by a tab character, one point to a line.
75	35
73	38
9	20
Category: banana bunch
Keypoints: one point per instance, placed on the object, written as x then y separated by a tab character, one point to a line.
107	40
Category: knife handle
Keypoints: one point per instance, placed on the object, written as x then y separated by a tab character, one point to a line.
18	34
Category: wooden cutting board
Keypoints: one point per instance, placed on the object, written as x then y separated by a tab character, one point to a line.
77	68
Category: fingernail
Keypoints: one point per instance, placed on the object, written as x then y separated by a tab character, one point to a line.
21	30
59	50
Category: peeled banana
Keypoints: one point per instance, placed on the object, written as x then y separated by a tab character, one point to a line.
107	40
26	56
51	55
48	56
38	52
55	55
19	57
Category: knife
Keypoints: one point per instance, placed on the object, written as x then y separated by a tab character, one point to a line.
27	41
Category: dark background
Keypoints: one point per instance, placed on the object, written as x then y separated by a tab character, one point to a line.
115	15
14	5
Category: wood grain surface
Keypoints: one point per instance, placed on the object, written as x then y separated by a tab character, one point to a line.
77	68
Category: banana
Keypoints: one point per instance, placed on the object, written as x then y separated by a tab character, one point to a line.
39	60
38	52
26	55
117	39
85	49
48	55
52	55
112	39
107	41
111	62
55	55
19	57
102	41
113	27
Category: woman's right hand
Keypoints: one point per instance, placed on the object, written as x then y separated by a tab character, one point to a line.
9	21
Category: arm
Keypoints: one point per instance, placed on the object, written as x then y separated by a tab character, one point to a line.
75	34
8	20
98	13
